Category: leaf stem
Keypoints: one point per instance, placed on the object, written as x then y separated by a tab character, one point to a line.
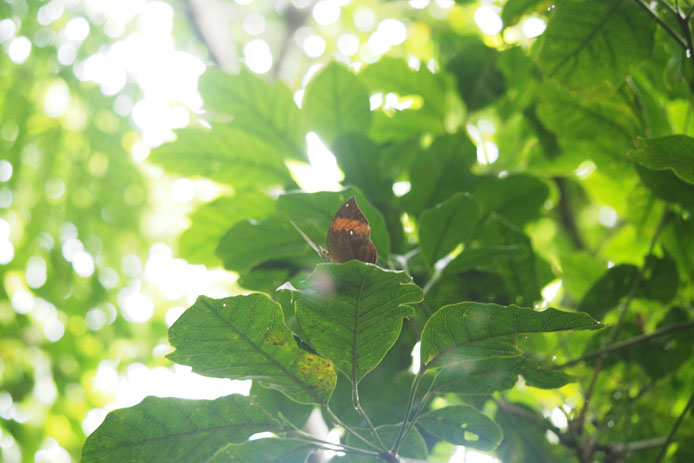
663	24
420	408
339	422
357	406
683	21
623	310
408	409
670	436
627	343
303	435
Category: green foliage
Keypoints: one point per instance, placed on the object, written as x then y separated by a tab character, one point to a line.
174	429
245	337
352	313
462	425
555	280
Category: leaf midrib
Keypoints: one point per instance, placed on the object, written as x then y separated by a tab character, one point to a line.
279	366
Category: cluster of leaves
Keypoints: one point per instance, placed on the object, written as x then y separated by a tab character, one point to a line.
71	182
587	122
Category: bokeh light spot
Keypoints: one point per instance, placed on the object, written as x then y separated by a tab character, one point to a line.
19	50
488	20
257	56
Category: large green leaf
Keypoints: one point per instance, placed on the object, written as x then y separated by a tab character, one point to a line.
667	186
515	9
262	110
413	446
271	450
462	425
604	121
210	221
394	75
472	328
445	226
352	313
361	160
485	376
175	430
250	243
224	154
488	258
590	42
508	253
272	399
244	337
660	283
336	102
474	66
675	153
518	198
440	171
525	436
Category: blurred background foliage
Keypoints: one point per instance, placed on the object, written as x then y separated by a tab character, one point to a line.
89	227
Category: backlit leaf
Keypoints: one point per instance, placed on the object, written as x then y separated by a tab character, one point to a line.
487	330
224	154
244	337
175	430
675	153
210	221
336	102
590	42
262	110
352	313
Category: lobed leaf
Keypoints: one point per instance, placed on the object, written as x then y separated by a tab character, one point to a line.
175	430
244	337
352	313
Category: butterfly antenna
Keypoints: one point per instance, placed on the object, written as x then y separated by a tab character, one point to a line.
308	240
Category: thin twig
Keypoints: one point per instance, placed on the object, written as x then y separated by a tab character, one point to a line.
302	435
624	309
627	343
683	21
408	409
357	406
348	429
663	24
194	20
674	429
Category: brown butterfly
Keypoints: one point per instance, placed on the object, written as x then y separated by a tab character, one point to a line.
349	236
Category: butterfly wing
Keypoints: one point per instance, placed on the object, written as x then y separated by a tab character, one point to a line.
349	236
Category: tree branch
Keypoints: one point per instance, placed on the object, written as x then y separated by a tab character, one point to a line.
682	42
625	307
627	343
674	429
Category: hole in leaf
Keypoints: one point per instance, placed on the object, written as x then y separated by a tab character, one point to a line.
471	436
